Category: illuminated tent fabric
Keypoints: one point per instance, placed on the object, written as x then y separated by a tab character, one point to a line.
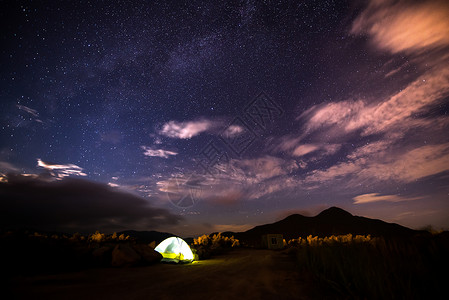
175	249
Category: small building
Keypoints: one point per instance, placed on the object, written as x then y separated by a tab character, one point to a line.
273	241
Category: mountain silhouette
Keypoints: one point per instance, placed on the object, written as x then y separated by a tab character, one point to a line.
332	221
147	236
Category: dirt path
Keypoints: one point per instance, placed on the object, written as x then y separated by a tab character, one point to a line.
241	274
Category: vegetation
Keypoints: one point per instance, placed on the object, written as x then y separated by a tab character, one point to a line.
346	266
361	267
334	239
30	252
207	245
101	237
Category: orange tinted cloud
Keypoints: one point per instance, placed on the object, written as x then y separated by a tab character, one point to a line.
375	197
407	167
405	27
396	112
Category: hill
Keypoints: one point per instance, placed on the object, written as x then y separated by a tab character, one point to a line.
332	221
147	236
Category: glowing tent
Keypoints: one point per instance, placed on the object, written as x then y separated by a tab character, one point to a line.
175	249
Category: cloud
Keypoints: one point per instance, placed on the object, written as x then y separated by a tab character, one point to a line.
396	113
305	149
187	130
31	111
292	145
232	227
324	149
394	126
402	26
184	190
148	151
331	114
375	149
420	162
74	204
264	175
6	167
61	171
263	167
287	143
32	115
406	167
375	197
233	182
396	27
233	130
382	139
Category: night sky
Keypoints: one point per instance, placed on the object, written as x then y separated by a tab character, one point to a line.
212	116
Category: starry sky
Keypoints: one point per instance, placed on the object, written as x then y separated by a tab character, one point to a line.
201	116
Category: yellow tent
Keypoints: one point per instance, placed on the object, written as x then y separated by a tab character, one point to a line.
175	249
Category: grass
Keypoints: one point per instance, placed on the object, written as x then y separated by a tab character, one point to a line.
377	268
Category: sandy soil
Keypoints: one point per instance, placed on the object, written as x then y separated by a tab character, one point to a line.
240	274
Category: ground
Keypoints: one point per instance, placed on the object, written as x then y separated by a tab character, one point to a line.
240	274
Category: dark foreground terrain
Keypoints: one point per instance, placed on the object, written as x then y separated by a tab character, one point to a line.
240	274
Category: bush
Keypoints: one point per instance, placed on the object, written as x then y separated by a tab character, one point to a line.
121	237
97	237
207	245
101	237
339	239
362	267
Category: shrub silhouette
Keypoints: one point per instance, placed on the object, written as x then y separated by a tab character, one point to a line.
362	267
207	245
97	237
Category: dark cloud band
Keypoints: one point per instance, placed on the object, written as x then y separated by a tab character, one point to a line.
75	205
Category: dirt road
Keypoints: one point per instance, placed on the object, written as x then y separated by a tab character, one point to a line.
241	274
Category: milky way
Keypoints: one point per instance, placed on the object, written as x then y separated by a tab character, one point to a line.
213	116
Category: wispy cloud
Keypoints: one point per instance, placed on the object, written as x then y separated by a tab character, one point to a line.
406	167
323	149
188	129
395	26
236	181
376	197
233	130
394	113
33	112
7	167
232	227
60	170
401	26
302	150
148	151
263	167
294	146
372	139
396	126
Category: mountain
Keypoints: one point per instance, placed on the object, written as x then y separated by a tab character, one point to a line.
332	221
147	236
